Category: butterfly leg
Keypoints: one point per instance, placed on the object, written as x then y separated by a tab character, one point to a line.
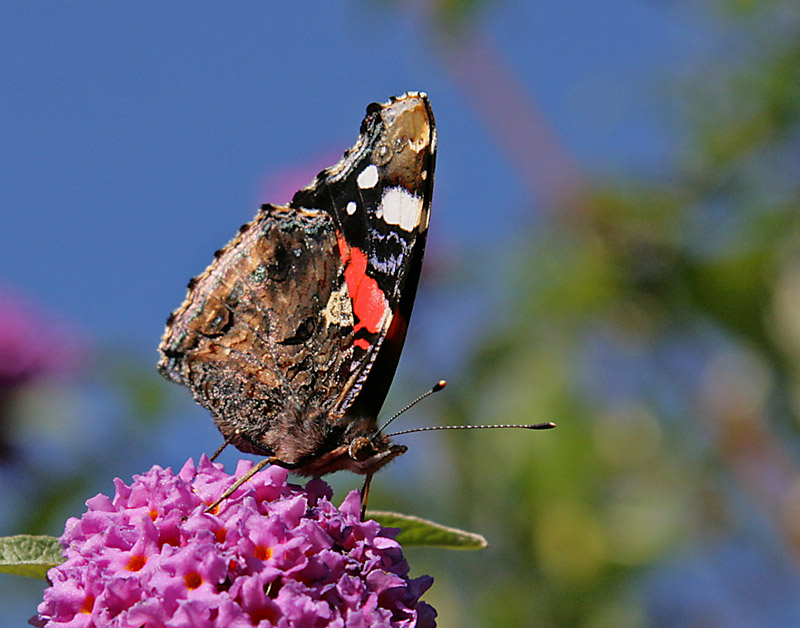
365	495
224	445
255	469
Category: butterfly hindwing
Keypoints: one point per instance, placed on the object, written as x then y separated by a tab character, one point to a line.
250	342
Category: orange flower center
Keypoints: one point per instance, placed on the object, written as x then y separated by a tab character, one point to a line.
263	552
193	580
136	563
88	604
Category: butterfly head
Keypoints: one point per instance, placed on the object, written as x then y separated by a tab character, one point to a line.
367	455
364	454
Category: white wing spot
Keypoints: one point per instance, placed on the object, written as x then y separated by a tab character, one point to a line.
368	177
351	208
402	208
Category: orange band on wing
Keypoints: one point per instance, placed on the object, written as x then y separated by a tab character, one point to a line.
369	304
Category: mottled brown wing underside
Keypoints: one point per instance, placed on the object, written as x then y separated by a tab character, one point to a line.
265	332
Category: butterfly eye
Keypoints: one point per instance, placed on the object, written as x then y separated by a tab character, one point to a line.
361	448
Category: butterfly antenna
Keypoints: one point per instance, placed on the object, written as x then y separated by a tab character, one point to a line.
436	388
526	426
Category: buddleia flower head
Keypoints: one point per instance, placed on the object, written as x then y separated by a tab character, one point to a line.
273	554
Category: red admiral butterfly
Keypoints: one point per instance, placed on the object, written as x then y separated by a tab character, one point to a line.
292	335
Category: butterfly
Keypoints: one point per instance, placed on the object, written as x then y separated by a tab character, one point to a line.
291	337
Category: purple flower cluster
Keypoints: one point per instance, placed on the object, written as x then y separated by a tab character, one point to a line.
273	554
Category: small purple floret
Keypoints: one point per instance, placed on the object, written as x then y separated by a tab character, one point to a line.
274	554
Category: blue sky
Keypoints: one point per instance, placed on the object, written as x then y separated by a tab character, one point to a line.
137	137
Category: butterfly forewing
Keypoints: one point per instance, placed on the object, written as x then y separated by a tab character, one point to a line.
379	195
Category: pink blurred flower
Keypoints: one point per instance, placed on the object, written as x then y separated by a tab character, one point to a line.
33	345
279	188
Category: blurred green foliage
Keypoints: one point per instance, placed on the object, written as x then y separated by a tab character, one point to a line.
657	322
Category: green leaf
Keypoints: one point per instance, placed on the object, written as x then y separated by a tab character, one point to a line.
29	555
416	532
